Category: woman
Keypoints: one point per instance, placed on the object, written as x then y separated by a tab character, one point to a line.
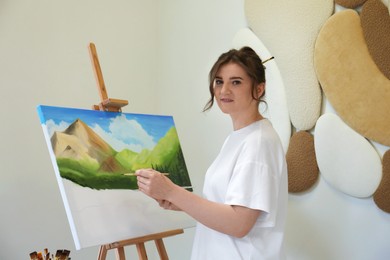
243	210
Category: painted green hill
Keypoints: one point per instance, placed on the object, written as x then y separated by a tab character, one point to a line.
166	157
84	158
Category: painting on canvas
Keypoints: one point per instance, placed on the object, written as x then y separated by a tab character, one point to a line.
94	155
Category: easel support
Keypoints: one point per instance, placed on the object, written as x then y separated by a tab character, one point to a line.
140	243
115	105
106	104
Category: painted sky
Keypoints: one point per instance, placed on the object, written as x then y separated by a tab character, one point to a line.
120	130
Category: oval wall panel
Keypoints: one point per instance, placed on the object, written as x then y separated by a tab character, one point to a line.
301	162
375	20
346	160
276	109
382	194
289	30
350	3
351	81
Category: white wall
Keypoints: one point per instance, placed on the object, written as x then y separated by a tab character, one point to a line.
44	59
156	54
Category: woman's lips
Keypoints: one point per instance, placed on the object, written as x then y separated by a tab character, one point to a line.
227	100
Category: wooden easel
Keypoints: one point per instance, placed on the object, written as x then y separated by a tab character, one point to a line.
140	243
106	104
115	105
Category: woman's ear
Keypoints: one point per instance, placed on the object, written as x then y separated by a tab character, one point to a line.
260	88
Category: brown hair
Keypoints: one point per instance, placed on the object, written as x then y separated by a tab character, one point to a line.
245	57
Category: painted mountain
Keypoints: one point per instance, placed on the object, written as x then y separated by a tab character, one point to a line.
86	159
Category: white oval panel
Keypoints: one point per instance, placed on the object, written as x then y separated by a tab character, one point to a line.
346	160
277	110
289	30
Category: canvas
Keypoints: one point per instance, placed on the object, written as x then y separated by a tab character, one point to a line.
95	154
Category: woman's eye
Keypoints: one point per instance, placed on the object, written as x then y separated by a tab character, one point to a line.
218	82
236	82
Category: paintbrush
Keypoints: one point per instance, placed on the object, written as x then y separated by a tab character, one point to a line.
34	255
39	256
133	174
46	254
62	254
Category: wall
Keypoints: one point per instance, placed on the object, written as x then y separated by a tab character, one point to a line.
44	59
156	54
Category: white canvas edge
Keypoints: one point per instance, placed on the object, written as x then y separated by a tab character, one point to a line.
61	188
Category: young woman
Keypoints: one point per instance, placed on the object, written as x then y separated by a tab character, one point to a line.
243	209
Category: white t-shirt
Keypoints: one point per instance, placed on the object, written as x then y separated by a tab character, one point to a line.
249	171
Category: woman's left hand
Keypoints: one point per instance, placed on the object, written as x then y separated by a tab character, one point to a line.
167	205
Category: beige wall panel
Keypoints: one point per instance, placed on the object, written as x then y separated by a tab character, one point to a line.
352	82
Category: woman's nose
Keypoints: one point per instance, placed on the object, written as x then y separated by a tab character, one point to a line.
225	88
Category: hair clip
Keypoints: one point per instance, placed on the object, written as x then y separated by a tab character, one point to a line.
268	59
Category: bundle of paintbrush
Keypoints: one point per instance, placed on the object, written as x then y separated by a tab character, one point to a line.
62	254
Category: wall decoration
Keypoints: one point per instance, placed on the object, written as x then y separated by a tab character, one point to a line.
355	169
388	5
95	155
350	3
382	194
289	30
275	96
352	82
301	162
353	86
375	21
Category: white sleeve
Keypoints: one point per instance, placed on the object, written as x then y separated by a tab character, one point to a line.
254	184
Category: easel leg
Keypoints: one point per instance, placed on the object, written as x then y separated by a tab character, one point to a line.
102	253
140	243
161	249
141	251
120	253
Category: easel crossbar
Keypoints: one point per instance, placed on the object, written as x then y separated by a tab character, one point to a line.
143	239
140	243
